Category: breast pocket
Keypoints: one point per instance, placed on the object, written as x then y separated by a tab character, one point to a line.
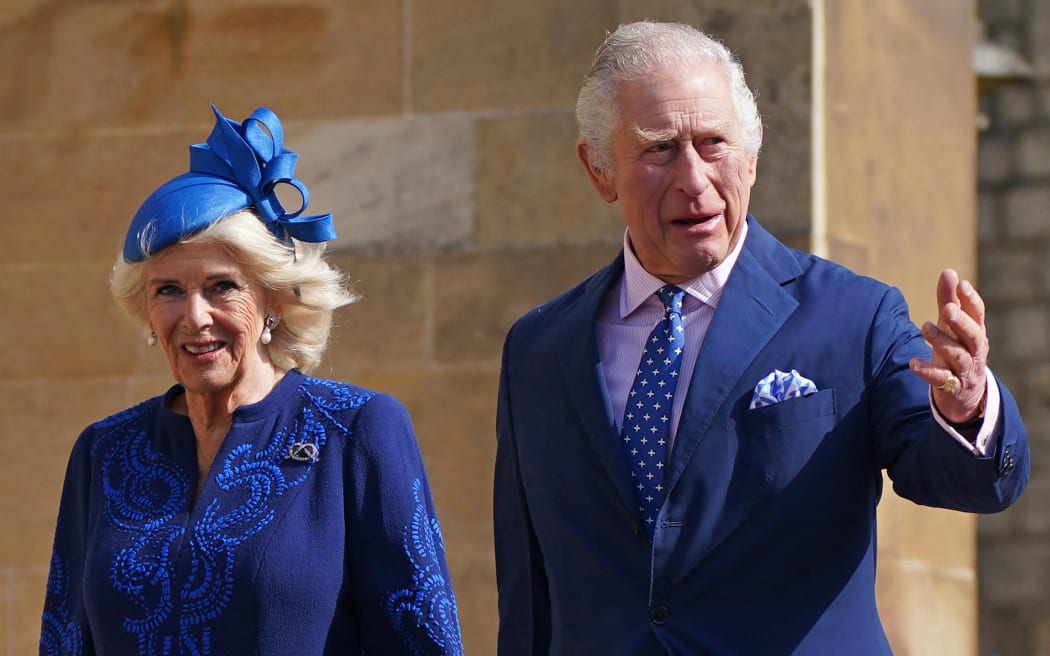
795	426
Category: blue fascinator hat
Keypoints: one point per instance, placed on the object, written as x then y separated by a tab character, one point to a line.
238	167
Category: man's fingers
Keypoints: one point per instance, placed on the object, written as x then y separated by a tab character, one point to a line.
971	302
947	287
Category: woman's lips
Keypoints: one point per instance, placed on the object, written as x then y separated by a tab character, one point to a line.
203	349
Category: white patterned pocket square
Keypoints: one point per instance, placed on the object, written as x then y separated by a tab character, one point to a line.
779	386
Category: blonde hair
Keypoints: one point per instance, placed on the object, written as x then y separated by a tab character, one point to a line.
301	280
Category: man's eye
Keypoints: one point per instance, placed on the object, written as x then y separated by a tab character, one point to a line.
661	147
712	141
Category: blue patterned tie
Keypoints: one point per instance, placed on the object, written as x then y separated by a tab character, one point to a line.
647	417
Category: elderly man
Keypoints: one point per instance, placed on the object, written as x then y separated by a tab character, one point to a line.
692	440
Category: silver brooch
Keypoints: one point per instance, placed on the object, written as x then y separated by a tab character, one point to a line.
302	451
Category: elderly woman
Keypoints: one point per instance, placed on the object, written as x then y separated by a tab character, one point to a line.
252	509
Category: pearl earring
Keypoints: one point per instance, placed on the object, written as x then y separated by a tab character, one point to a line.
151	339
267	336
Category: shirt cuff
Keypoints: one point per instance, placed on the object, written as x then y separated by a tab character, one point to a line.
988	435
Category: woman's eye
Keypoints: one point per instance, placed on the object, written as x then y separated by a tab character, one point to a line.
224	286
167	290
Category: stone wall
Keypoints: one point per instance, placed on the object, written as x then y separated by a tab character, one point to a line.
439	133
441	136
1014	276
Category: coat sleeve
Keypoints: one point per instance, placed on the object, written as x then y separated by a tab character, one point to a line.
403	596
64	628
926	464
524	603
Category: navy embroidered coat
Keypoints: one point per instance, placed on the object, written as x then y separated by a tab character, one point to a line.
340	555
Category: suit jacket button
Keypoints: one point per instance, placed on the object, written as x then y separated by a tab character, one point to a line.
658	615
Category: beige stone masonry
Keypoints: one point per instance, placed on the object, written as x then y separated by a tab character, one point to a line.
405	182
440	134
481	55
478	297
532	189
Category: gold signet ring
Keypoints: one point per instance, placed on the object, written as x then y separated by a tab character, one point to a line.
949	385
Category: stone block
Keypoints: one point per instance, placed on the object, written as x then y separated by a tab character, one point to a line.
531	188
1031	509
1014	573
71	199
472	569
14	11
1017	105
42	419
303	58
98	64
389	326
1003	632
405	184
927	610
523	54
1041	636
1044	271
1025	212
28	587
64	322
454	415
1037	24
7	604
478	297
996	158
22	58
1027	332
1034	155
991	11
1008	274
996	526
988	223
936	538
115	64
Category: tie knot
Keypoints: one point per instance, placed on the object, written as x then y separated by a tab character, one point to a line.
672	297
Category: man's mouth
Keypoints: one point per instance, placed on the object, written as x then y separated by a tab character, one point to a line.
696	220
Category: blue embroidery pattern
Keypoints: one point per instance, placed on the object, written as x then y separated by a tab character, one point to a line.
144	491
424	614
59	633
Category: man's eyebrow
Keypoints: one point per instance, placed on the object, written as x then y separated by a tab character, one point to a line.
655	136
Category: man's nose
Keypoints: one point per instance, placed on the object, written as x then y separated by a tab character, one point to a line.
693	171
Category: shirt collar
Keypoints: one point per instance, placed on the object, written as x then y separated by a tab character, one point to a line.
637	284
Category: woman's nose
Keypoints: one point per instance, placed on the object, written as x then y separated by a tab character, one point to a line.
198	312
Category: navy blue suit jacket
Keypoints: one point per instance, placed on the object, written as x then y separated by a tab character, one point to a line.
766	541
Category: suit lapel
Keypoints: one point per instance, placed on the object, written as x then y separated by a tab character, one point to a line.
753	307
583	377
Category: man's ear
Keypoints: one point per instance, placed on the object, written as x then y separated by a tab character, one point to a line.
600	179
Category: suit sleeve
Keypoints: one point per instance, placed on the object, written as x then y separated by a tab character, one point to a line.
926	464
403	596
524	604
64	628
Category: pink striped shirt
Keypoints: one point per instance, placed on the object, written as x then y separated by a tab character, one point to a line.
631	309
